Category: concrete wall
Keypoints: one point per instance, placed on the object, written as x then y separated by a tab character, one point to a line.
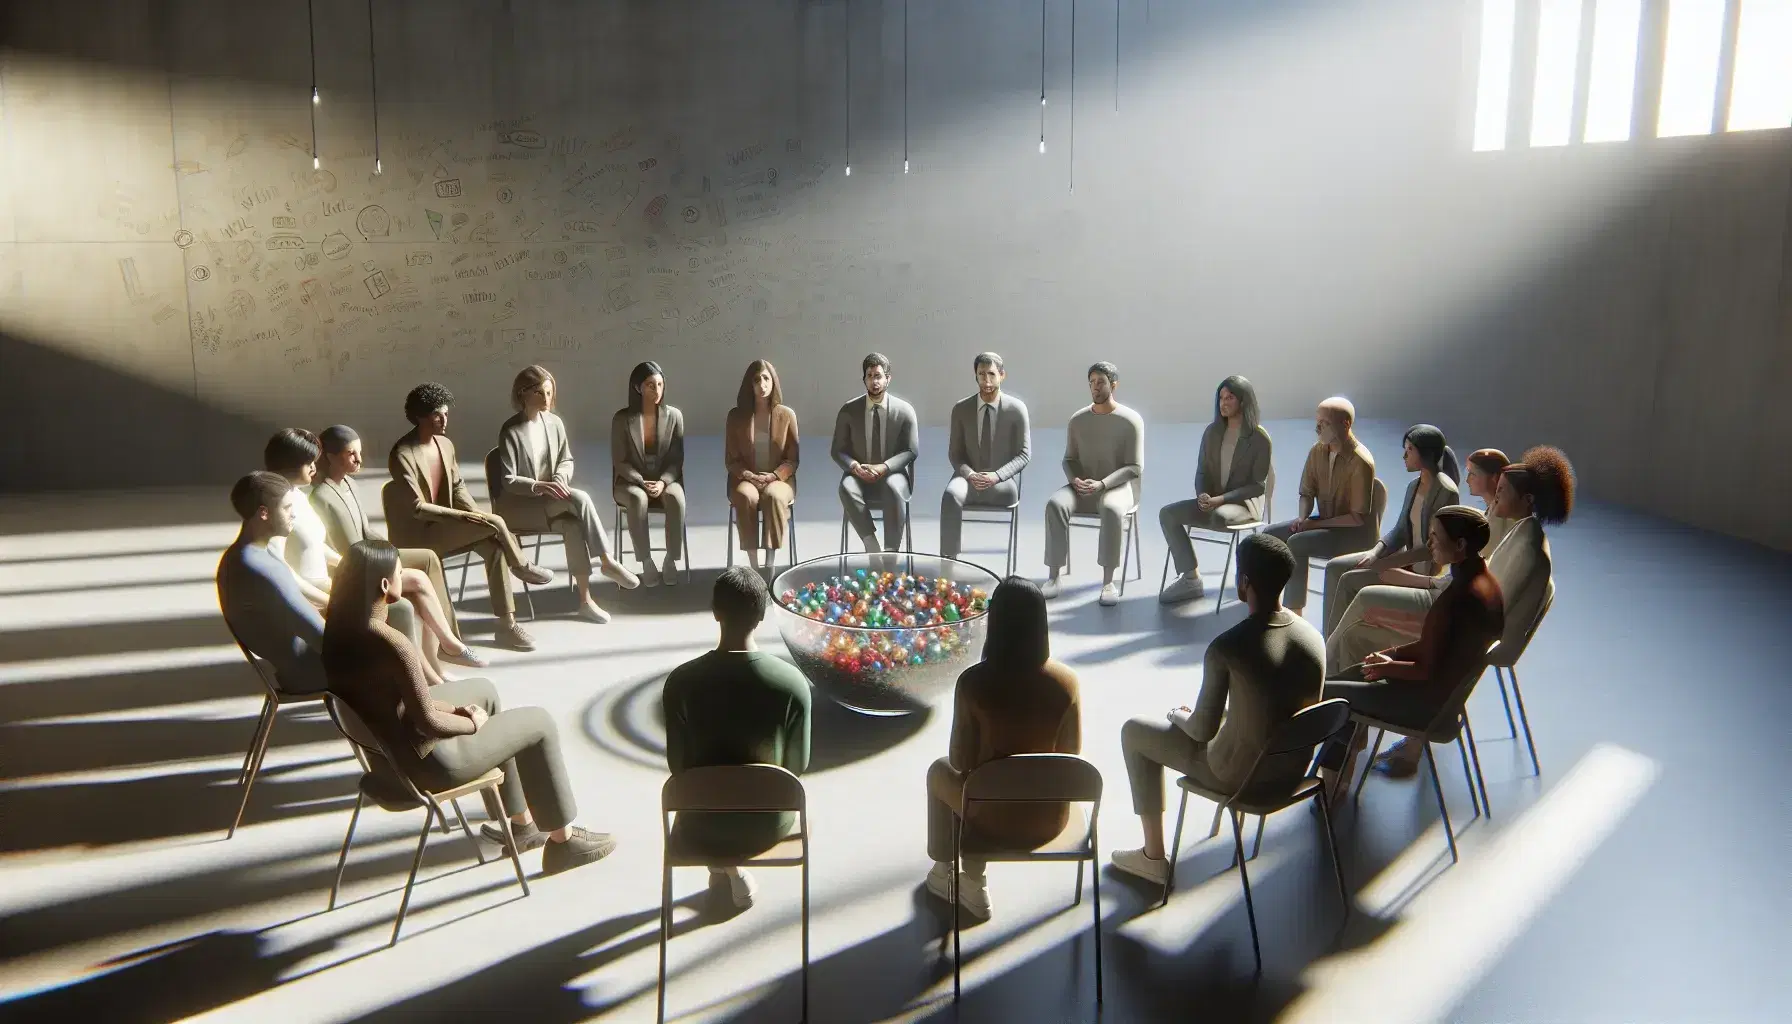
1285	192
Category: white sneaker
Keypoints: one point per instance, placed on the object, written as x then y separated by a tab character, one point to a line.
973	890
618	572
670	573
650	576
1110	595
1135	863
1183	588
591	612
741	887
1050	589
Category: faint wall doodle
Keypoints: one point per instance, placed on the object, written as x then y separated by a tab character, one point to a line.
376	283
133	285
435	223
240	305
369	266
418	259
654	207
691	214
373	222
245	250
506	194
238	146
448	188
285	222
458	220
183	238
526	139
317	300
202	273
277	243
336	245
648	164
560	256
165	314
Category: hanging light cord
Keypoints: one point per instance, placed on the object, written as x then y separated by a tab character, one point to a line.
1116	56
311	29
905	86
1073	95
373	63
848	88
1042	76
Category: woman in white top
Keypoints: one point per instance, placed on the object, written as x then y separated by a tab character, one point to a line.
536	493
294	453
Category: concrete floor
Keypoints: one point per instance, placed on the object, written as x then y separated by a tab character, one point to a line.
1640	878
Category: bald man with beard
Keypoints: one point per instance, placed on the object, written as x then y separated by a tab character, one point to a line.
1336	494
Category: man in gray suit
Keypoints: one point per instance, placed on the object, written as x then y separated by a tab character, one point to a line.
991	442
875	444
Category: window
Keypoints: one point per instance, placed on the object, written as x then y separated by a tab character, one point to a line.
1548	46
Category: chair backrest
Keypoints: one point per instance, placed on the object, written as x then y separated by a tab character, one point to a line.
1448	722
264	670
733	787
355	730
1378	503
1034	778
1310	726
1506	655
494	476
1269	496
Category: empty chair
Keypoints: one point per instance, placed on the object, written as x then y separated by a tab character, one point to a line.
743	788
1264	796
388	787
1029	779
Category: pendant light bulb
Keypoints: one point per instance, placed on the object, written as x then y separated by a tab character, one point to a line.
849	170
905	166
376	166
314	164
1042	145
314	97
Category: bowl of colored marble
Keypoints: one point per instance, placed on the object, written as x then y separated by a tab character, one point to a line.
883	634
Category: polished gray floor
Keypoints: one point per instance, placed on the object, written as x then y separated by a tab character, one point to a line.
1640	878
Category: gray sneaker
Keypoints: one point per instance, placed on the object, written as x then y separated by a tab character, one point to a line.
1183	588
527	836
581	848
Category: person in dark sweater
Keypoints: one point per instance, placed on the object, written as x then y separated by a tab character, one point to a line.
736	705
1413	683
1017	700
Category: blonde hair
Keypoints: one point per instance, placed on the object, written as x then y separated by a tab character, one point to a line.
530	377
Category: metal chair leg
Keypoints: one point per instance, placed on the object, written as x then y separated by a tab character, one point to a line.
1219	599
1163	578
1474	753
728	539
1331	840
342	859
665	930
1257	843
1500	678
268	706
1214	829
1468	778
516	859
1379	734
1079	884
1094	845
1175	850
1442	808
1244	878
261	752
1525	719
466	562
1126	555
957	949
471	839
404	903
805	1017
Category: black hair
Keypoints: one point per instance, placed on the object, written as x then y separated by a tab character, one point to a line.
337	438
426	398
354	592
639	376
260	489
1433	451
1465	524
1019	635
740	597
290	449
1267	561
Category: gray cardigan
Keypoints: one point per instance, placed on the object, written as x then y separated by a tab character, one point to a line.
517	452
1443	492
1250	466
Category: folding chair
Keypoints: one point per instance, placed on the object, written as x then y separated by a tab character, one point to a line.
1012	514
1229	536
1033	779
1128	544
1505	663
1265	796
771	556
394	791
622	537
732	789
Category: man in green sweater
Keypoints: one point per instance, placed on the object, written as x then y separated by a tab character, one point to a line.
736	705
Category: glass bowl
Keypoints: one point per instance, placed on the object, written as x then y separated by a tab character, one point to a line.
898	656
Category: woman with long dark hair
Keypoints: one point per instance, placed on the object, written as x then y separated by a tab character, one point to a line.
452	733
761	454
1425	454
1230	482
1017	700
647	468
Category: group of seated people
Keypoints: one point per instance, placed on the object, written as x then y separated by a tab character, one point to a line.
333	607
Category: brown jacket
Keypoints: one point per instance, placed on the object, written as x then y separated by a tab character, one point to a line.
994	715
739	441
409	469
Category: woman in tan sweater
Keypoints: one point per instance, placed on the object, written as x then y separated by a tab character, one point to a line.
1017	700
444	734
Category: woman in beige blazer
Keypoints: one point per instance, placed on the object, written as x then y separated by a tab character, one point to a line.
647	468
761	454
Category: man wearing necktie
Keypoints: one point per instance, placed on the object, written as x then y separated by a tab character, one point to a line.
875	444
991	442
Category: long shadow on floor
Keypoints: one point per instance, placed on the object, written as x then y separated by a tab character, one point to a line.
113	638
115	692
